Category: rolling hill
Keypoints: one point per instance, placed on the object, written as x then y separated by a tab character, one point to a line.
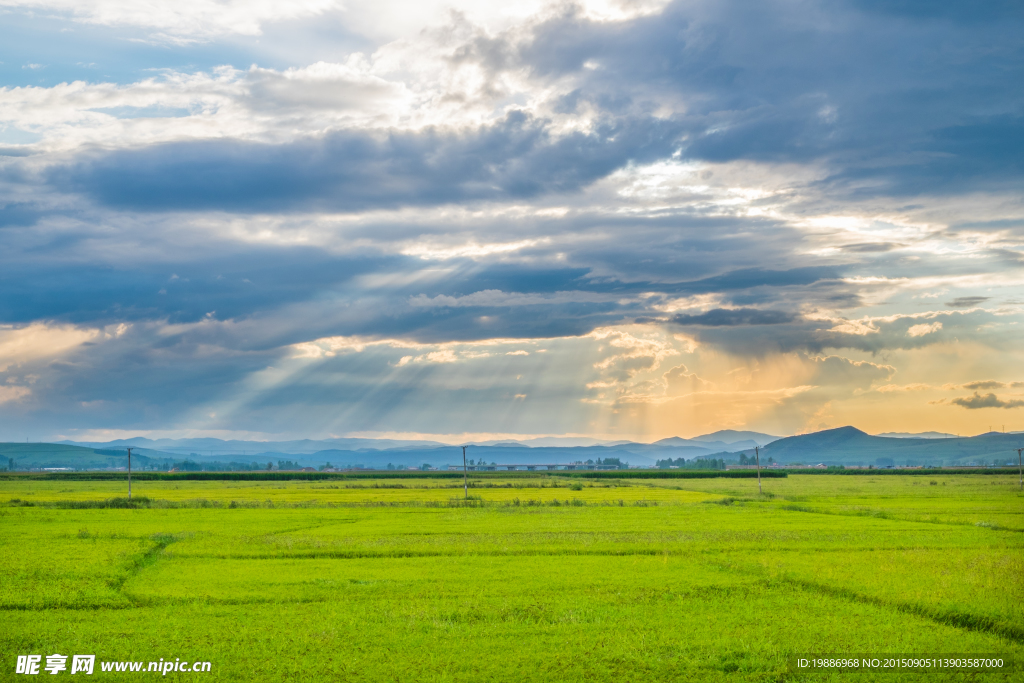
25	456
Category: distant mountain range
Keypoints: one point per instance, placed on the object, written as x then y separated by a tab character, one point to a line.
207	446
851	446
373	452
919	435
843	446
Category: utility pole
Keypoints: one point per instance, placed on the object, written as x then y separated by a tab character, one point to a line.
129	474
465	473
757	455
1020	468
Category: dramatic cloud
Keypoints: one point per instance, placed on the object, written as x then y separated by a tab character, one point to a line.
740	316
923	329
977	401
511	160
629	219
967	301
990	384
887	388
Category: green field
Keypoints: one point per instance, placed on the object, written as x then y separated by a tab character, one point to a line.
536	579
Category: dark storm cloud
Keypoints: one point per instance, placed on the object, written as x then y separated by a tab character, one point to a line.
351	171
870	247
953	11
234	282
984	384
967	301
142	375
822	335
284	295
720	317
749	278
314	292
898	98
684	254
977	401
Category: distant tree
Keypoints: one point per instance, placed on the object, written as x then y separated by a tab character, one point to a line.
390	466
590	462
612	462
678	462
425	466
270	466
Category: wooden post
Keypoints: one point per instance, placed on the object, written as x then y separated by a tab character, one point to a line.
129	474
758	456
465	473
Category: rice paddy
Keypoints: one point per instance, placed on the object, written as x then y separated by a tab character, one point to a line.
533	579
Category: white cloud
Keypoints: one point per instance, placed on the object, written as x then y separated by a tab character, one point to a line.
182	20
443	356
39	340
448	352
923	329
679	380
9	393
917	386
196	20
336	89
471	249
857	327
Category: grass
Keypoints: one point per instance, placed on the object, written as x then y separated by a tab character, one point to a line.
344	493
621	580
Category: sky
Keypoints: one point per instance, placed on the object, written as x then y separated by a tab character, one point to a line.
610	218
